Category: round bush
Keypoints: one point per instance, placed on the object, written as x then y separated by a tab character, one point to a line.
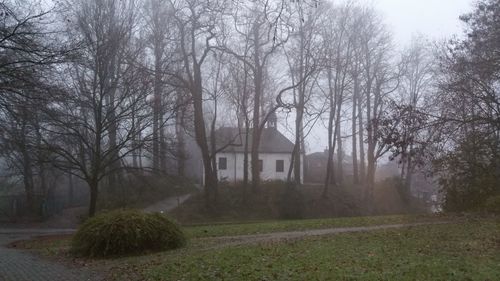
126	232
492	205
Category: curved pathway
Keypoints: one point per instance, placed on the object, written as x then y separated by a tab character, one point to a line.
21	265
168	204
299	234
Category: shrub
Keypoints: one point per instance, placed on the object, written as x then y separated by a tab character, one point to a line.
470	174
291	203
126	232
492	205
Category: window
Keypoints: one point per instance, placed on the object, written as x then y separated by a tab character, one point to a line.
222	163
280	166
261	165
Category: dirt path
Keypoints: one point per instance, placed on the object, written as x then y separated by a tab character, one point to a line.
295	235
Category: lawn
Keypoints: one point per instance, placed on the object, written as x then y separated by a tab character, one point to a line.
459	251
465	249
231	229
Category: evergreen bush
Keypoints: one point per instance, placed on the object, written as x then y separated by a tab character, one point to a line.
126	232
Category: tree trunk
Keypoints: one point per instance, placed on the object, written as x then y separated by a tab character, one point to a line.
113	129
27	173
201	136
361	141
28	182
157	97
298	140
340	153
163	148
256	132
71	190
181	145
94	189
330	176
245	158
354	138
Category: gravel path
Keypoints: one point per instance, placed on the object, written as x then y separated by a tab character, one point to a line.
21	265
293	235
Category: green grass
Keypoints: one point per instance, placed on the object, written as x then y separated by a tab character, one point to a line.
466	249
231	229
461	251
234	229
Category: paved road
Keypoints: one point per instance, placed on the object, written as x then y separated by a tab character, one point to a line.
21	265
168	204
19	232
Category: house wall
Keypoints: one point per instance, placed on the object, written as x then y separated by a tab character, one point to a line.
234	171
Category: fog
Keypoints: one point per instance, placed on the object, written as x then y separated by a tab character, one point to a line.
383	104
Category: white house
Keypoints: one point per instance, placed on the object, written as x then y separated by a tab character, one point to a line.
275	152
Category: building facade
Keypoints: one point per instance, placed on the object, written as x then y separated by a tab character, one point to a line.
275	153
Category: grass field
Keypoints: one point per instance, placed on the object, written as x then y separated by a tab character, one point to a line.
460	251
464	249
231	229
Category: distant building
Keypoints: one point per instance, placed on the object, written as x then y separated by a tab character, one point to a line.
316	163
275	151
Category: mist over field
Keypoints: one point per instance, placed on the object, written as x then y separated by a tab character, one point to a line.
239	129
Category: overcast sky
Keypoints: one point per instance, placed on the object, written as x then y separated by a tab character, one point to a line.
437	19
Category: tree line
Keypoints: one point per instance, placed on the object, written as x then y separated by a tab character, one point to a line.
92	88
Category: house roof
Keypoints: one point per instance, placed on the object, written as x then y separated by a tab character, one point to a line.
271	141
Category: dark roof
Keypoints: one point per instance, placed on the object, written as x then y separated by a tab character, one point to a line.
318	155
271	141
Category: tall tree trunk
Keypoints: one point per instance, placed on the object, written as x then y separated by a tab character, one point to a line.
114	166
71	190
371	112
201	136
354	136
330	176
362	162
245	158
256	132
409	176
27	163
340	152
258	88
163	147
29	187
94	189
113	127
298	139
181	144
157	95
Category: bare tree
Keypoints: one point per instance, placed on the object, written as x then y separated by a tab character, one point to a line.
416	89
379	81
262	29
196	23
29	49
338	56
302	53
157	24
95	107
